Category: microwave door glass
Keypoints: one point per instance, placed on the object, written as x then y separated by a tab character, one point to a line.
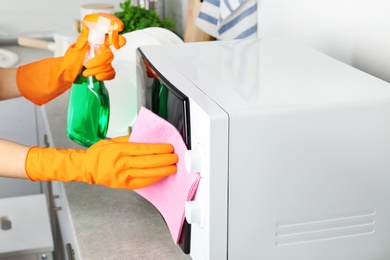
165	100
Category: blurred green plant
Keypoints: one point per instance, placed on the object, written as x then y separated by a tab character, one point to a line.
137	18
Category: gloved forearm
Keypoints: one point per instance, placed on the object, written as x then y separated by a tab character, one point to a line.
113	163
46	79
43	80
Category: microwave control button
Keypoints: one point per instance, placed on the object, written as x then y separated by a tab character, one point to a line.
193	213
192	161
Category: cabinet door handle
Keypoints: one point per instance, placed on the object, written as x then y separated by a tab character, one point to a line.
46	141
70	252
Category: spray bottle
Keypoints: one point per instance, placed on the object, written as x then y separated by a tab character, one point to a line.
89	103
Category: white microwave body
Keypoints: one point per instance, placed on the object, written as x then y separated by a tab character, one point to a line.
292	146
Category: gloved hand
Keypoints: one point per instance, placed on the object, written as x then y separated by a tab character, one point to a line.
44	80
114	163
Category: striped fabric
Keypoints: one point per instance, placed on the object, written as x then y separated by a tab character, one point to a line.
228	19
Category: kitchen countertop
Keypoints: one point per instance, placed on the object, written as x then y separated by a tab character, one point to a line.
108	223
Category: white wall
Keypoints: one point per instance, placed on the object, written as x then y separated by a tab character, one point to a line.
356	32
26	16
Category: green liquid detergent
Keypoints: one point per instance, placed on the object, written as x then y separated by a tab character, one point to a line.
88	111
160	99
89	104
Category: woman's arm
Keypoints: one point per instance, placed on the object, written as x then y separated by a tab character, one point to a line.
12	159
12	155
8	87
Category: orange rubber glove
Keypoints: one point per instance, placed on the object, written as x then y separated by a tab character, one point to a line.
44	80
114	163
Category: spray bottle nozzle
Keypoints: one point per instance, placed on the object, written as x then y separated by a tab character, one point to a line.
101	24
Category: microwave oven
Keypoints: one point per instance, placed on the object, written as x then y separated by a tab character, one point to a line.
292	147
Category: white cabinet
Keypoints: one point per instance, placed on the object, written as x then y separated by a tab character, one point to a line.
66	247
18	118
25	232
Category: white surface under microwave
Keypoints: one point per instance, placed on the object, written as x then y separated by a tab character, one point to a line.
293	150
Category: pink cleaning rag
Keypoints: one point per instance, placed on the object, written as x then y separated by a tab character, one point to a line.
170	194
